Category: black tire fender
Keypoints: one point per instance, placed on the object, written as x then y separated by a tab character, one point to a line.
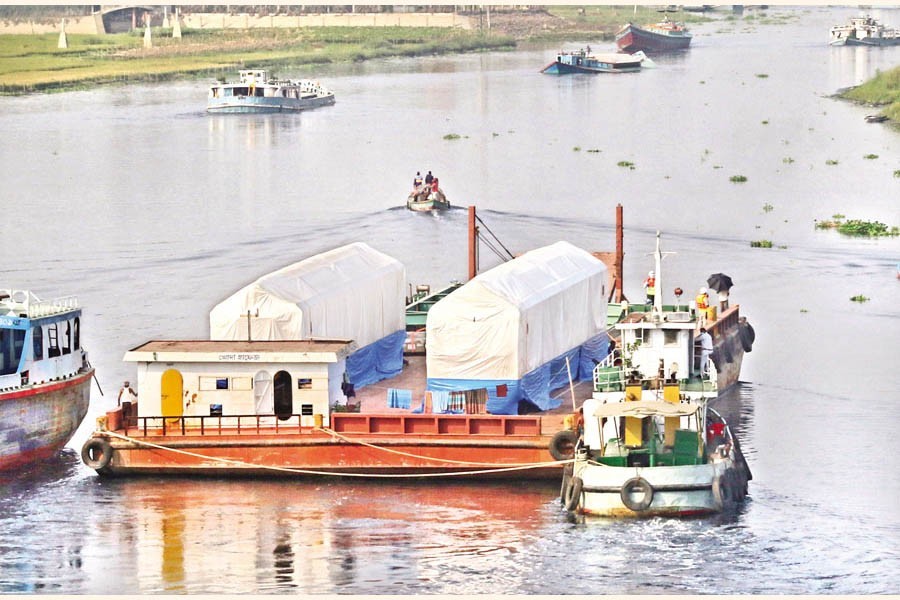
96	453
637	485
573	493
746	335
562	444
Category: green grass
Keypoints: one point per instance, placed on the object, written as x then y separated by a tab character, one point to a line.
882	90
34	63
761	244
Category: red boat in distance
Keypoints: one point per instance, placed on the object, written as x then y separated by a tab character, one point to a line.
665	36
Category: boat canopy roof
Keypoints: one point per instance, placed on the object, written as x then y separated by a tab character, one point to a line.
645	408
353	292
517	316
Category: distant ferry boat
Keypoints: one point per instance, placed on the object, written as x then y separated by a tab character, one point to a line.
45	377
258	92
582	61
664	36
864	31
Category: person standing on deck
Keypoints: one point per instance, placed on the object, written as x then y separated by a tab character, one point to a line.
650	286
429	178
705	343
127	398
417	181
702	301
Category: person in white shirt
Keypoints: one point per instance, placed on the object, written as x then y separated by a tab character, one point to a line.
706	348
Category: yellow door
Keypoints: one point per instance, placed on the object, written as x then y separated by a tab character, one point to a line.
171	392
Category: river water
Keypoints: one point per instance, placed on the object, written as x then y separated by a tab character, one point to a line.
151	212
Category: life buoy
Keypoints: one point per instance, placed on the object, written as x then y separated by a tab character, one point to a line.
637	486
96	453
746	335
566	478
562	444
573	493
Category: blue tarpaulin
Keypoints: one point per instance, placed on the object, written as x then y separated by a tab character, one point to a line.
379	360
535	386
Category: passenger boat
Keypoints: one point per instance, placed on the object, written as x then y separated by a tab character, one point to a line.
863	31
582	61
45	377
425	198
665	36
258	92
650	444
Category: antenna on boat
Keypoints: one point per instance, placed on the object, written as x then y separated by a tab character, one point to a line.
657	257
249	336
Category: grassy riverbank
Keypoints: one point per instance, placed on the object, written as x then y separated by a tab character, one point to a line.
883	90
30	63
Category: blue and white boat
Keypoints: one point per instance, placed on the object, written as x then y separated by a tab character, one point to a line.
582	61
258	92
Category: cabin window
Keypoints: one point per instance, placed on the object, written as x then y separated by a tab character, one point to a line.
37	343
76	341
304	383
53	340
208	384
12	341
241	383
640	338
671	337
67	339
306	410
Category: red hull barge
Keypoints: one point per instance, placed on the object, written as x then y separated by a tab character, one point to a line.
666	36
45	378
195	416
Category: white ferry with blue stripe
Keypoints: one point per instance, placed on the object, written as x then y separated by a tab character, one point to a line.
45	377
259	92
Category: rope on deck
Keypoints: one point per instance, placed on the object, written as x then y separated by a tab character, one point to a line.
240	463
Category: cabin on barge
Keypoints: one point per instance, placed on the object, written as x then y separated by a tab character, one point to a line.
278	408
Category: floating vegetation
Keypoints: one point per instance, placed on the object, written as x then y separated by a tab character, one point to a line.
787	160
859	298
738	179
766	122
858	227
452	136
768	207
870	156
897	173
594	150
831	162
803	310
625	163
761	244
717	166
495	134
576	149
762	75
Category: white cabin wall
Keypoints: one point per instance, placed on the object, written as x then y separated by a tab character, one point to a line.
233	401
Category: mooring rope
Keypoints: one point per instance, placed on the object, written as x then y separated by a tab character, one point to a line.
331	473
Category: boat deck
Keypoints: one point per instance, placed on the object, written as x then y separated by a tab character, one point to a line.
374	398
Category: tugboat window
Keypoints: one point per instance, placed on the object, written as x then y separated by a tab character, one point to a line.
67	340
53	339
37	343
11	343
304	383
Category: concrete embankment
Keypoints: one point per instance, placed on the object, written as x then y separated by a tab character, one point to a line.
93	24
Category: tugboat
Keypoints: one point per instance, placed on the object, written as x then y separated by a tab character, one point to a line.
45	377
863	31
649	444
582	61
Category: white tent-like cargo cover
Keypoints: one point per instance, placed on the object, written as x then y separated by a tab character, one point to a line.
353	292
518	316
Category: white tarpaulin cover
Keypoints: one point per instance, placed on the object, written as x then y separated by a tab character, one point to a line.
516	317
353	292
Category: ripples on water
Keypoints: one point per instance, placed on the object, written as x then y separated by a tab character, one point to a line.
176	210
